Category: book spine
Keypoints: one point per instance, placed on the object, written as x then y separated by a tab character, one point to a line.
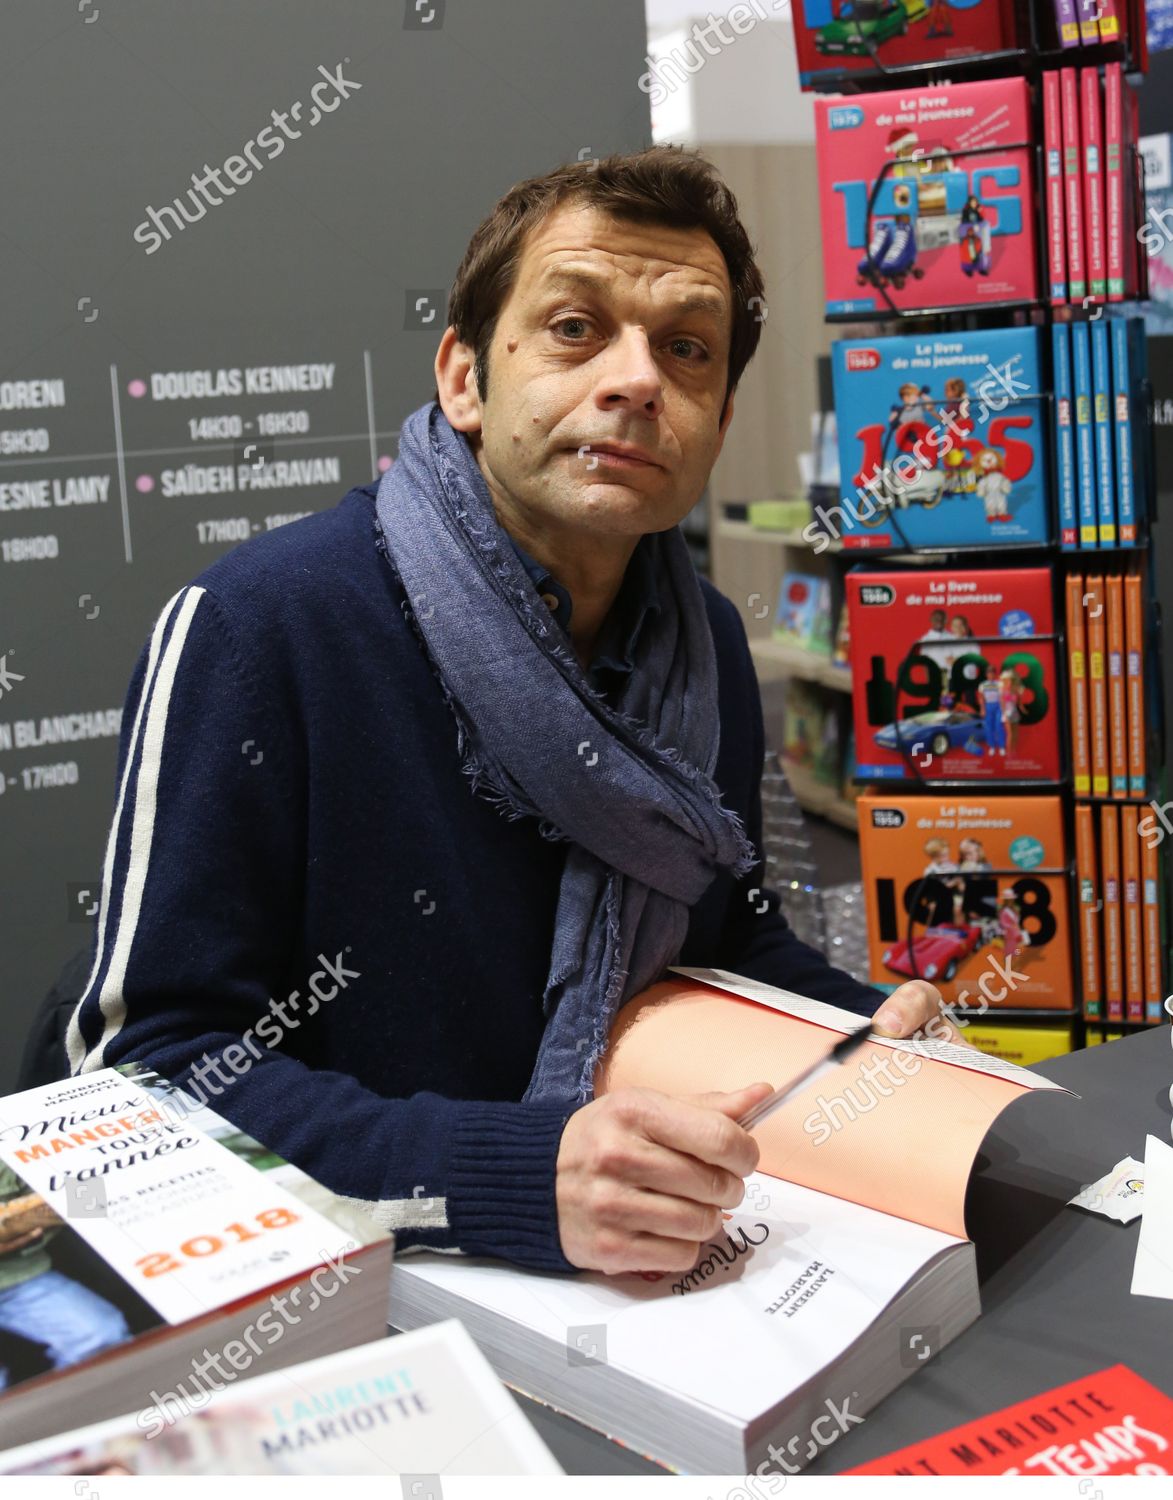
1136	357
1117	707
1114	183
1067	23
1092	140
1102	426
1133	199
1108	18
1089	30
1085	457
1150	878
1133	943
1053	158
1081	765
1089	934
1122	425
1134	682
1110	888
1072	182
1065	437
1093	599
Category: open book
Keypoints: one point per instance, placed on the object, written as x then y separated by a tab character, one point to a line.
842	1271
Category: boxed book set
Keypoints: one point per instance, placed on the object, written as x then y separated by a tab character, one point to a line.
955	675
927	198
943	439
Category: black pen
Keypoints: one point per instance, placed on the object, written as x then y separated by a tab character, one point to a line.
838	1054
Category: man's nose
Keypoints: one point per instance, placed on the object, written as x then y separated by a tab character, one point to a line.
630	375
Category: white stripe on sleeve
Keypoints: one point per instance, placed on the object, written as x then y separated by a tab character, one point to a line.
151	723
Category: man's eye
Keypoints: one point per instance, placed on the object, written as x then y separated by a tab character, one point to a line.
687	349
702	353
563	322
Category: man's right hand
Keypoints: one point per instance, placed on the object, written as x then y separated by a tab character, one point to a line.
642	1177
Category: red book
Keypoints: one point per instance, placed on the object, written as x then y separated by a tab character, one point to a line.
1135	256
831	36
1109	21
957	674
1092	153
1072	183
1138	40
1115	182
1112	1422
1053	178
927	196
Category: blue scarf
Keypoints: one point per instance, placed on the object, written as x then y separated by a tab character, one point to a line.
630	787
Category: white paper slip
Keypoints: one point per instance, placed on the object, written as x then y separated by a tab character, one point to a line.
1118	1194
1152	1271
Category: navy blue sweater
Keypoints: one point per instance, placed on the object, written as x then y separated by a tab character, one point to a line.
309	919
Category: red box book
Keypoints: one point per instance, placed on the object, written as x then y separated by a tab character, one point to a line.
864	36
926	197
955	674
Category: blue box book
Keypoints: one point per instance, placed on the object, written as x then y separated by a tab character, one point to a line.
942	440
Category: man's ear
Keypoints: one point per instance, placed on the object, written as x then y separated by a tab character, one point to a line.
456	383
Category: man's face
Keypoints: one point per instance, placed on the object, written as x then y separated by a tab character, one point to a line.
635	355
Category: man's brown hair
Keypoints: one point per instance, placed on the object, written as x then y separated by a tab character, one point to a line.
670	185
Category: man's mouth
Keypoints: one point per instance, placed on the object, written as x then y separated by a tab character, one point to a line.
615	456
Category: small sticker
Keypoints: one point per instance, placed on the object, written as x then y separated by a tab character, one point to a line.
1026	852
845	117
1016	622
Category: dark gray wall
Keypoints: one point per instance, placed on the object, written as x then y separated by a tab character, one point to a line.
107	110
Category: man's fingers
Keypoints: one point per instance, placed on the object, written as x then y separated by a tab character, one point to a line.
654	1252
661	1214
663	1170
707	1131
734	1102
907	1009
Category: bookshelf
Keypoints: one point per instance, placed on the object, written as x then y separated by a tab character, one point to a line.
750	561
754	562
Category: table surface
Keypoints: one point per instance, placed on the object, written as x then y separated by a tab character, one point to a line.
1055	1280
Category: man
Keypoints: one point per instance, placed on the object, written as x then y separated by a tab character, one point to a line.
937	632
479	748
